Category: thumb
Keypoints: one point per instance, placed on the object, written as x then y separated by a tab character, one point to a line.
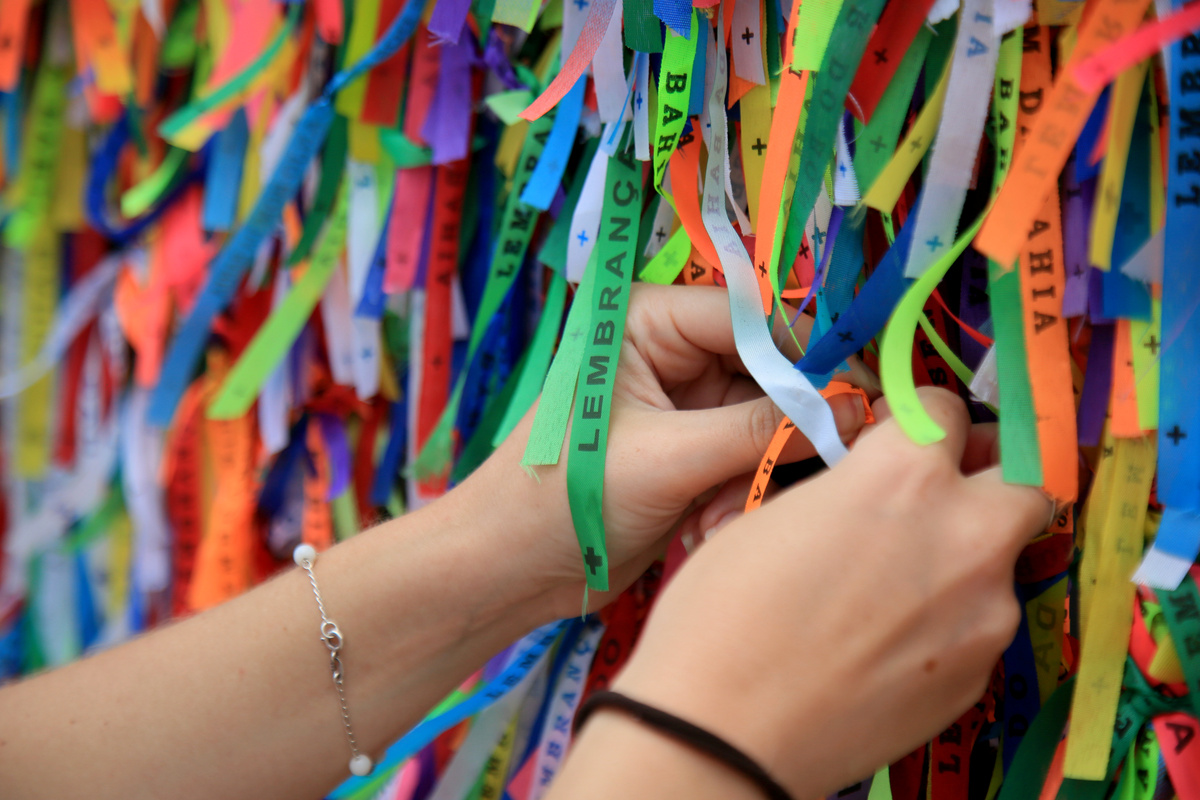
713	445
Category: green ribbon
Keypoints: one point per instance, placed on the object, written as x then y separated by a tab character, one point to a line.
1020	453
667	263
613	277
138	199
877	139
674	92
483	440
1138	704
642	31
333	164
516	228
1181	610
851	31
554	409
179	44
277	334
193	111
537	359
406	154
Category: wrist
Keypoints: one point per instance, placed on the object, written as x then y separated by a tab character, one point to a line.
617	756
722	696
529	513
493	545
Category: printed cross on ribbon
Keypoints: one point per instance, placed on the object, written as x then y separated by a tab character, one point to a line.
881	56
1152	345
842	169
762	268
581	4
583	238
915	144
1175	434
637	99
804	251
758	145
593	559
659	234
877	143
846	336
747	35
818	237
933	243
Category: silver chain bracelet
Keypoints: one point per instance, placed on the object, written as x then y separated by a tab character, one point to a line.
305	556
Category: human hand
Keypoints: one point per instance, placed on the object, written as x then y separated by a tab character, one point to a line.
874	597
685	418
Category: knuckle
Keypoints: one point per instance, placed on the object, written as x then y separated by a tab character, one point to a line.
1003	623
924	479
762	421
942	404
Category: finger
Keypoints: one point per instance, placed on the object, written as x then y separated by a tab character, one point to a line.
710	446
714	387
680	328
729	503
947	410
881	410
724	507
983	448
1026	510
862	376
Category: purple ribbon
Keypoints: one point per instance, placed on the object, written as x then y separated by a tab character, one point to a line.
448	124
1097	384
973	307
495	59
835	225
339	453
1076	222
447	21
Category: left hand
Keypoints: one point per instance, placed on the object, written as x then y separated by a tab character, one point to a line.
685	419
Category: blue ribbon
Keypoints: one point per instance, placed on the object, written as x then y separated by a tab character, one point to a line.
870	310
1123	297
547	175
389	465
374	301
1179	382
224	179
432	727
676	15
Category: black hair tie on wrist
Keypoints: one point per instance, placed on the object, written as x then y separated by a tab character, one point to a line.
687	733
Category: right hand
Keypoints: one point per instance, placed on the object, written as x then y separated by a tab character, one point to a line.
855	616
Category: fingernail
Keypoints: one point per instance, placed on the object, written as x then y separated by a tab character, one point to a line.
847	414
729	517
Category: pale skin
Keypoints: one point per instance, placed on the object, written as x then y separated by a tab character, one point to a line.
237	701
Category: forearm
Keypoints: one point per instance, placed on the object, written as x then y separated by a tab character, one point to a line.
617	756
238	701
